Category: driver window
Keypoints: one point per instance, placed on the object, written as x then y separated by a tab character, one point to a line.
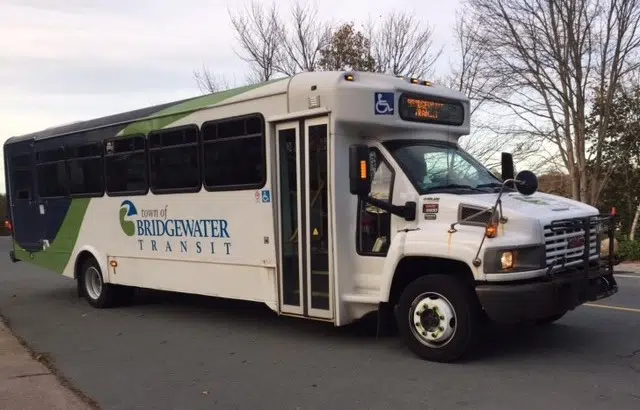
374	224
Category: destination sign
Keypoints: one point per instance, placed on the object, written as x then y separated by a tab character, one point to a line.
430	110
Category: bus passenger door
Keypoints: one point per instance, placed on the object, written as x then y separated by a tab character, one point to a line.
305	250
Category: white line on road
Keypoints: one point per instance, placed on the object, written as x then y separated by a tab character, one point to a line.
626	309
621	275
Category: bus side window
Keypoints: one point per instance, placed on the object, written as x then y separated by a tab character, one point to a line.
234	153
374	224
85	170
126	166
21	177
51	172
174	164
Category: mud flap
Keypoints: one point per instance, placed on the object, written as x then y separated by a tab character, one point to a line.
79	288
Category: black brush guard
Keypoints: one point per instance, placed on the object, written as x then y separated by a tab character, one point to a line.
601	223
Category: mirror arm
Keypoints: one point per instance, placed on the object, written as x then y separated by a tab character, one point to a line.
406	211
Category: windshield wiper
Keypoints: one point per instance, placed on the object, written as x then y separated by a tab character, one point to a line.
453	186
490	184
493	185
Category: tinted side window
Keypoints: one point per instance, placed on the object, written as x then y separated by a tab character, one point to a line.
126	166
173	160
374	224
234	153
21	176
85	165
51	173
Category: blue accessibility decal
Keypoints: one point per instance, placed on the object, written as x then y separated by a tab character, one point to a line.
384	103
266	195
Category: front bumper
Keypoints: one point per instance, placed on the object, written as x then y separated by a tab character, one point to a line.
557	291
516	302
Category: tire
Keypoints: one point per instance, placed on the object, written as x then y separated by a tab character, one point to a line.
98	294
456	320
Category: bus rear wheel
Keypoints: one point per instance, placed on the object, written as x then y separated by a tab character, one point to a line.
99	294
438	319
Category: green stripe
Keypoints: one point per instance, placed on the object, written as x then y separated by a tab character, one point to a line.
57	256
172	114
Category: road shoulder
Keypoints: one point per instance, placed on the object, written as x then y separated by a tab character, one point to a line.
628	268
26	383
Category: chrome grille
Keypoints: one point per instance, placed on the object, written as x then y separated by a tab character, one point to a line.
565	243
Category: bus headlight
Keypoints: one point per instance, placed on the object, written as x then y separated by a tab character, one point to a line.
514	259
506	259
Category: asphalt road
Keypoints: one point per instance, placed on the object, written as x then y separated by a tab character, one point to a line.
176	352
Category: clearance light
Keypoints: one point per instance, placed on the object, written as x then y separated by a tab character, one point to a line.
491	231
8	226
114	264
427	83
348	77
363	169
414	81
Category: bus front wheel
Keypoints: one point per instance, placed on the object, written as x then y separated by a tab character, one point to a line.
437	318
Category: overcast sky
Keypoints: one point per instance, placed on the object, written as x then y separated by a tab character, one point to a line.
69	60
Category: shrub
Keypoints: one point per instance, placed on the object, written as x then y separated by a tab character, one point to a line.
629	250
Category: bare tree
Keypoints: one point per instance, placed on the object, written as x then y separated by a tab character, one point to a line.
258	31
300	45
487	138
402	45
209	82
617	57
465	73
272	45
543	58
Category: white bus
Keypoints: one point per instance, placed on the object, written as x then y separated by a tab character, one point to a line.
326	195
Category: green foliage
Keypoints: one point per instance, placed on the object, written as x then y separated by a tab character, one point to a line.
348	49
629	250
619	154
3	213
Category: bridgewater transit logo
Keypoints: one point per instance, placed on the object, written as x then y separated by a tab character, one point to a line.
159	233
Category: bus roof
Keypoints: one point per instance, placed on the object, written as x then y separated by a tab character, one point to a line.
159	110
293	85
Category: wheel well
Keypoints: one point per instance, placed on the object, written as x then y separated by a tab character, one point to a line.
80	260
411	268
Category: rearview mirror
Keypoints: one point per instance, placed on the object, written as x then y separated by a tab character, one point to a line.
527	182
359	173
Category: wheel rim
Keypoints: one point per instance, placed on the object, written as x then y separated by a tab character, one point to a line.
93	281
432	319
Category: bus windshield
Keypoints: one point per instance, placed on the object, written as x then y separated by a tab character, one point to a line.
441	167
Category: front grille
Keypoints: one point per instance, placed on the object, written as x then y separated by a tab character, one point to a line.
565	242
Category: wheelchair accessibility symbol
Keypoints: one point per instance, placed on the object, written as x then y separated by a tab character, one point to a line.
384	103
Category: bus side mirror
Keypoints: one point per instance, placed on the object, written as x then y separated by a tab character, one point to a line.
359	173
527	183
507	166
